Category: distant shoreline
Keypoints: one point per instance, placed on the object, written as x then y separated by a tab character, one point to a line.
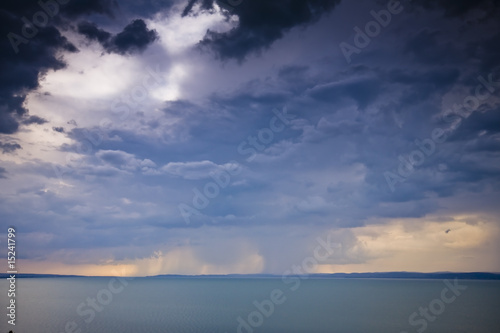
382	275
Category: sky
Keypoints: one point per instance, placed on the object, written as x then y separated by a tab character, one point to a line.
234	136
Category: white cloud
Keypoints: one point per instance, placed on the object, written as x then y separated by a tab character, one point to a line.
125	161
425	245
194	170
178	33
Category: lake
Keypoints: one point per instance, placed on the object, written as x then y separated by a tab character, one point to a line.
267	305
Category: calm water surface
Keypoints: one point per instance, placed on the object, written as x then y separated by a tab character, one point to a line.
176	305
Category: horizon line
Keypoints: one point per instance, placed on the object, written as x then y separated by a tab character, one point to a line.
394	274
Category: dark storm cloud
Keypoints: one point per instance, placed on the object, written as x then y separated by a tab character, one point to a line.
487	52
426	48
146	8
261	22
204	4
34	120
9	147
28	51
135	37
19	73
58	129
424	85
76	8
479	124
454	8
92	32
479	16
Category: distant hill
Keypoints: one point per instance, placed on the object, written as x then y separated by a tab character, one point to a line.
29	275
382	275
